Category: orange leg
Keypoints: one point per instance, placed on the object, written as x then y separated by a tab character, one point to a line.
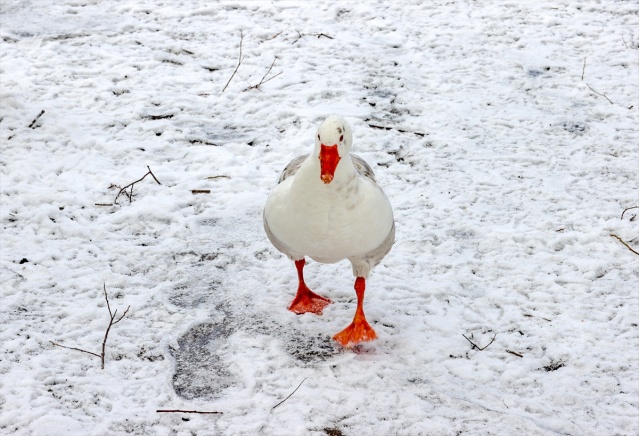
306	300
359	330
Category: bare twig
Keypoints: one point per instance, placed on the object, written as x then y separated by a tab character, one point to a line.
32	125
475	345
239	62
628	208
319	35
291	394
274	36
76	349
189	411
200	191
153	175
267	80
217	177
104	204
584	70
112	321
627	246
130	185
599	93
514	353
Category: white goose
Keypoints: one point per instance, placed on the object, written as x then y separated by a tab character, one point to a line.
327	206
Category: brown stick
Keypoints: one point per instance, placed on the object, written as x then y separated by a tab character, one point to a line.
188	411
599	93
130	185
475	345
584	70
31	126
627	246
239	62
291	394
217	177
515	353
628	208
200	191
104	204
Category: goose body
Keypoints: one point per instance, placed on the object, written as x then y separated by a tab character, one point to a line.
328	206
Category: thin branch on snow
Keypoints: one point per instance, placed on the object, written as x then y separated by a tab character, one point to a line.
476	346
217	177
627	209
375	126
624	243
189	411
514	353
76	349
319	35
200	191
239	62
583	71
130	185
599	93
290	395
274	36
112	321
267	80
32	125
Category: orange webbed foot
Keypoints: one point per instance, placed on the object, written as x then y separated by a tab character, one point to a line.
359	331
308	301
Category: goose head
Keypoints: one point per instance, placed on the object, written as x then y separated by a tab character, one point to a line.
333	140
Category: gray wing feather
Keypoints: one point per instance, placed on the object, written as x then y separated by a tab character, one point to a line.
362	167
292	167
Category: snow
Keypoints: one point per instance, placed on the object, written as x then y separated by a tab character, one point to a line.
507	175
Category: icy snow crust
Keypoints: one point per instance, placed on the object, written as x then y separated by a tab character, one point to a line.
506	172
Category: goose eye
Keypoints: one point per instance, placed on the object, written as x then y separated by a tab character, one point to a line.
341	138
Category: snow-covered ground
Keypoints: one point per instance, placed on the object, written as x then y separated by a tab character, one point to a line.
507	167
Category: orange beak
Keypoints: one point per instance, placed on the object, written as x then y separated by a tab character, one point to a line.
329	158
